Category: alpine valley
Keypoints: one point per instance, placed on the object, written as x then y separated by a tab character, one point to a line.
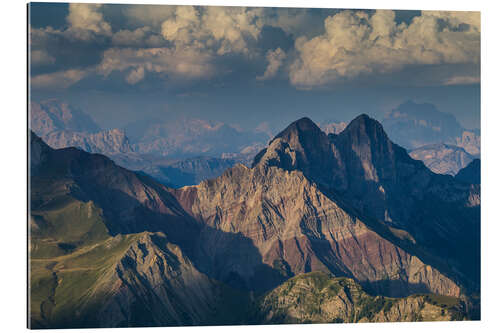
338	227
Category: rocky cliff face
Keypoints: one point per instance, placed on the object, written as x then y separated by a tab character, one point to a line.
442	158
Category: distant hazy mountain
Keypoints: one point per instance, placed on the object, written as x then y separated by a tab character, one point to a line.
187	137
442	158
104	142
61	125
222	146
471	173
413	125
53	115
111	247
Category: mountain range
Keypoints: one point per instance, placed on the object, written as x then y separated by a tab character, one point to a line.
179	152
184	151
350	218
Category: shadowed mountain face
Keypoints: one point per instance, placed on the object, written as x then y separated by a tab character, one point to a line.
471	173
351	205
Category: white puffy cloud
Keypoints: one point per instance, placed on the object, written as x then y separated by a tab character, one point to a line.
85	23
275	60
355	43
219	29
58	80
187	63
85	19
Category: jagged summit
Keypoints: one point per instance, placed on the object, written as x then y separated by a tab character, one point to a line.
364	127
304	146
302	126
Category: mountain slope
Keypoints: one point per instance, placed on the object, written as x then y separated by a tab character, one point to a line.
99	254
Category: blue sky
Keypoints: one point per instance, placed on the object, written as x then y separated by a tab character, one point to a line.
120	63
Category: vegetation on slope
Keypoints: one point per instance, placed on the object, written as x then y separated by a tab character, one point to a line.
318	297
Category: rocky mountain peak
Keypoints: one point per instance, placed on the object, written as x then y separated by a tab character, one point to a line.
366	148
303	127
303	146
364	129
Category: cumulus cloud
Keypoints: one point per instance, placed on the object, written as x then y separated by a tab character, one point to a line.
85	19
85	24
41	57
180	63
222	29
140	37
275	59
58	80
356	43
188	42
